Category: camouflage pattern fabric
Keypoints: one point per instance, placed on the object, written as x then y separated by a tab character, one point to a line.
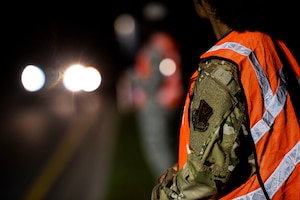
221	155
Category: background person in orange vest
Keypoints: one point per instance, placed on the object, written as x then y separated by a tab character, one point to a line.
157	90
240	135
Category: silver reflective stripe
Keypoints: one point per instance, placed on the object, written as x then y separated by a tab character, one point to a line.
282	172
272	110
234	46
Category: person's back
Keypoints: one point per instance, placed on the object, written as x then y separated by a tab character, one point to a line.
272	118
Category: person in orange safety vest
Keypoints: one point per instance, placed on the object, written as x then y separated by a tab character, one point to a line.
240	134
157	93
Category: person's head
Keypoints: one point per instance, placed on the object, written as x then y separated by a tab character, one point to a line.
272	17
238	14
262	15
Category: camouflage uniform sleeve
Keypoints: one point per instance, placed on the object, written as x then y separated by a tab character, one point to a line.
221	155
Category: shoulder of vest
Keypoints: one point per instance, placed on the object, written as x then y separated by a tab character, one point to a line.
210	63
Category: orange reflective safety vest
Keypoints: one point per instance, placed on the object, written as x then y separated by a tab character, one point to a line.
273	122
170	91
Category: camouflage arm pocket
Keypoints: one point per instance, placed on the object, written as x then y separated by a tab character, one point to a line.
216	117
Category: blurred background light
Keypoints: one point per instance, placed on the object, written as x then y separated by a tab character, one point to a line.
125	28
92	79
124	24
167	67
73	79
33	78
78	77
154	11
